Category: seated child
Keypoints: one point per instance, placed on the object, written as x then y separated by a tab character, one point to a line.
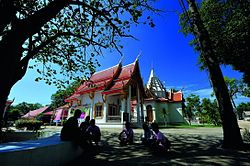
93	133
147	135
127	135
160	143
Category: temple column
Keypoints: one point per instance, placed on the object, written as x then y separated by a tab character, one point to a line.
128	102
138	107
105	110
142	111
154	115
92	97
123	106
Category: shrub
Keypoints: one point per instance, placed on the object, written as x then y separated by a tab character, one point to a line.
30	124
246	135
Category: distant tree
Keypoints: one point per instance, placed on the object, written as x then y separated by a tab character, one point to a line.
241	108
236	88
192	103
62	37
211	111
13	114
58	98
24	107
189	114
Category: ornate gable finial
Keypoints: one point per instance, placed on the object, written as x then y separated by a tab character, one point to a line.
121	60
138	56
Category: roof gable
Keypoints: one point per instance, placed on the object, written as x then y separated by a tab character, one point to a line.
34	113
99	80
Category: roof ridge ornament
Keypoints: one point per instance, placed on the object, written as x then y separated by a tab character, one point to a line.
121	60
138	56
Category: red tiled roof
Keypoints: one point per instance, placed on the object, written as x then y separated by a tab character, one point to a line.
49	113
72	97
99	80
122	79
127	71
117	87
177	96
34	113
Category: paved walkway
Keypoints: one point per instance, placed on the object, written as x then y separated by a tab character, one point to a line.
194	146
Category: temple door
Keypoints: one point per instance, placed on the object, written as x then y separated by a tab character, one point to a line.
149	113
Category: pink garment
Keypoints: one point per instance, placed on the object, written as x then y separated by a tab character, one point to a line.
82	115
58	115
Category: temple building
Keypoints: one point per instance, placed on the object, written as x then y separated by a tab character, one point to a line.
162	106
117	94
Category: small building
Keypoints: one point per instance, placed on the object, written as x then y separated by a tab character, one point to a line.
162	106
45	111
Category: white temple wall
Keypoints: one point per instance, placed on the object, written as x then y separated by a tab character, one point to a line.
176	113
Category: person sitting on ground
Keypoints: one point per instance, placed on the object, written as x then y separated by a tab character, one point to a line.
93	133
147	135
84	125
160	143
127	135
71	130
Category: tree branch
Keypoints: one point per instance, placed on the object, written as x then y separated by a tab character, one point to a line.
35	50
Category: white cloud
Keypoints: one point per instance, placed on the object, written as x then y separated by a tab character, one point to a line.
204	93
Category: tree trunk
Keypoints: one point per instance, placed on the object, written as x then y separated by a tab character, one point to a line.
231	131
10	69
12	65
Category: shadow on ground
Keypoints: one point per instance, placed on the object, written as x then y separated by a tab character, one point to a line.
186	150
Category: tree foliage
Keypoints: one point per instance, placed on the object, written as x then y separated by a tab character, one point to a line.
211	111
58	98
228	25
62	39
241	108
24	107
69	35
192	106
236	88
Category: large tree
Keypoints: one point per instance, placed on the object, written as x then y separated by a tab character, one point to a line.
229	31
231	131
62	37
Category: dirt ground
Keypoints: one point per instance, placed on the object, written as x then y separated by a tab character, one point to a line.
192	146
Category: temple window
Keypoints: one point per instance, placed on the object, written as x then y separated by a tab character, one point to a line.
98	110
113	111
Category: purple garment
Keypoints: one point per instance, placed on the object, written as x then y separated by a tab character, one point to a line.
82	115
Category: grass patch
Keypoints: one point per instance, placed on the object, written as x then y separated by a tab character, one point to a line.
187	126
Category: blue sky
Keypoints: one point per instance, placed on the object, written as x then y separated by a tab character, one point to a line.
164	48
